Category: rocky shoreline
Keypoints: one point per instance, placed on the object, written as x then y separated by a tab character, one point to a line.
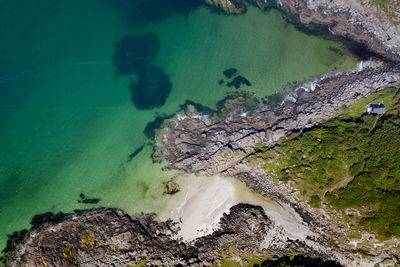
198	144
201	145
110	237
204	145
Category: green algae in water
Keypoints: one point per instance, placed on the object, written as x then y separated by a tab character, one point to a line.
67	121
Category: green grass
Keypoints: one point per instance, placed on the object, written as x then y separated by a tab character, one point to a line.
351	161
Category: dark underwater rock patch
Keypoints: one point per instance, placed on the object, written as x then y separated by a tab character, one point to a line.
135	52
83	199
135	153
229	73
152	88
238	81
143	12
150	129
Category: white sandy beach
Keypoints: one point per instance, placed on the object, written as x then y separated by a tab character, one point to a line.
202	201
200	204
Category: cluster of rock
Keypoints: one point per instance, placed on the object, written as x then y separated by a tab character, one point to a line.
112	238
237	6
201	145
228	6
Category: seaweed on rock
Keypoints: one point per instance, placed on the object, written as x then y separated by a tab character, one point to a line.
44	220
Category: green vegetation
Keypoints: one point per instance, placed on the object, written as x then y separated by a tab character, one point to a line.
391	7
141	263
69	253
87	240
351	161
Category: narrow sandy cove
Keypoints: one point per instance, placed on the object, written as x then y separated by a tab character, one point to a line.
200	204
202	201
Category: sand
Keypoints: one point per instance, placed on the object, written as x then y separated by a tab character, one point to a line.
202	201
200	204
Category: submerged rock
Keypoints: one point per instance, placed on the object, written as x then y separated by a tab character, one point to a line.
136	152
139	13
133	56
238	81
133	53
229	73
152	89
83	199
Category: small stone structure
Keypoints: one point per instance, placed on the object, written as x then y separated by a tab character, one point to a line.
376	109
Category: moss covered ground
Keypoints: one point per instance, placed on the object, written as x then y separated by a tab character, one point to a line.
350	161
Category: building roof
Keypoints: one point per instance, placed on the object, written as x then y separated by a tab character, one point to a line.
376	108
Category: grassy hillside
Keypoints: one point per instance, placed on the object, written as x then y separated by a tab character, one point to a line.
351	161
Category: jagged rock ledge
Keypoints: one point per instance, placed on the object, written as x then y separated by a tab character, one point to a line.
198	144
112	238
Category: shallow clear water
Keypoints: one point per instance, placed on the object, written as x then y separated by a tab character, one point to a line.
67	122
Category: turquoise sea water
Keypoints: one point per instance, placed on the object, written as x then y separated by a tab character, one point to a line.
67	120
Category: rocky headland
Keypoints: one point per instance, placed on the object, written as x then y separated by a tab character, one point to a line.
219	143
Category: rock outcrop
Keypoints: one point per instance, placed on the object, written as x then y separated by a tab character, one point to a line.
200	145
112	238
228	6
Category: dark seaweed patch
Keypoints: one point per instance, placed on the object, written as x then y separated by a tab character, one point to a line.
44	220
10	185
274	99
199	107
229	73
152	88
150	129
134	154
134	53
238	81
83	199
142	12
14	241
